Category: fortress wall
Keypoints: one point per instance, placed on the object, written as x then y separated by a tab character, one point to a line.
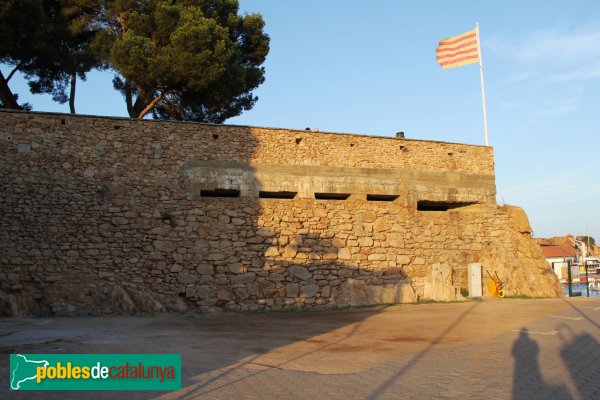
102	215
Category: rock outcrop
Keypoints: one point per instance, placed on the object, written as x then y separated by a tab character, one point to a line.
524	271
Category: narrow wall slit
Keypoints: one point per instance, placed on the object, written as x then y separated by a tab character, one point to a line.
382	197
426	205
332	196
277	195
220	193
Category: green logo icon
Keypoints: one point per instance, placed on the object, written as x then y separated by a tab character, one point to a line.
23	370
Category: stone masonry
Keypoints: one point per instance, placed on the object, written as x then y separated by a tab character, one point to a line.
107	215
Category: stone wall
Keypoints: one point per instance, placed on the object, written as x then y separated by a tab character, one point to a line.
102	215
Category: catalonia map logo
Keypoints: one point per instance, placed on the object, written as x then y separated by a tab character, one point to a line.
95	371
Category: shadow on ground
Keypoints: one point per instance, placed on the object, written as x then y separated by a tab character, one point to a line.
580	353
207	343
380	390
528	382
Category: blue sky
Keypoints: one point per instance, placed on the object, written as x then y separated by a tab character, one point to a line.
369	67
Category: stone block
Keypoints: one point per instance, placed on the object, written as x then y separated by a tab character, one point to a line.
338	242
275	277
292	290
368	216
365	241
309	290
205	269
290	251
225	294
216	257
403	260
265	232
166	246
237	268
176	268
224	219
187	278
243	278
344	254
380	226
299	272
272	252
439	285
241	293
203	291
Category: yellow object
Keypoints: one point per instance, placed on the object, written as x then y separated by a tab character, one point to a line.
493	288
501	294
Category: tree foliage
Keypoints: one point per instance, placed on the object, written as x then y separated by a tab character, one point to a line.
174	59
23	28
46	42
187	60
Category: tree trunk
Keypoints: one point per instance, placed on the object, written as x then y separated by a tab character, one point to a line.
13	72
72	94
129	101
7	96
150	106
143	104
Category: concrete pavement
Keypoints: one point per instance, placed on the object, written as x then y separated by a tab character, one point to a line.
493	349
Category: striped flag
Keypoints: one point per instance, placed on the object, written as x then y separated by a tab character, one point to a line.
458	50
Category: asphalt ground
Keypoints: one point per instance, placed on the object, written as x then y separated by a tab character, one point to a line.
491	349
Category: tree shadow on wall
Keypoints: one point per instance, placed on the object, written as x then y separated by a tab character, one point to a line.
141	228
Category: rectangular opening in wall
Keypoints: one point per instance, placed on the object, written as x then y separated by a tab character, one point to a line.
332	196
277	195
382	197
426	205
220	193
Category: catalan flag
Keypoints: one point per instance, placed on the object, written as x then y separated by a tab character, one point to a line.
458	50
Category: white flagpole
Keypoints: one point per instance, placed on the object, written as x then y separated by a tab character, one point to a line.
482	85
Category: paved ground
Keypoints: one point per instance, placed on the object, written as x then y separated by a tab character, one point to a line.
495	349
